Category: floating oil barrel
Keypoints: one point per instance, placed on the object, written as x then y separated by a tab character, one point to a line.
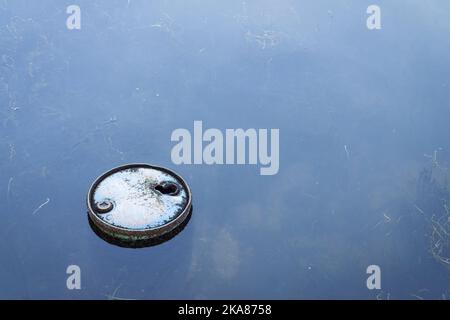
138	205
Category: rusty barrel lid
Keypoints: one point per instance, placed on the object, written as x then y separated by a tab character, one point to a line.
138	202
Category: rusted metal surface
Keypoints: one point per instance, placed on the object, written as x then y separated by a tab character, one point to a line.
138	202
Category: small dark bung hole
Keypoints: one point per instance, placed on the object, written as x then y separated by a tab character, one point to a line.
104	206
168	188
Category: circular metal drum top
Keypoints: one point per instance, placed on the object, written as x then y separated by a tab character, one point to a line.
138	202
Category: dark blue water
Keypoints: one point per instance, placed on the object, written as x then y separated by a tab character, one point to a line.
359	114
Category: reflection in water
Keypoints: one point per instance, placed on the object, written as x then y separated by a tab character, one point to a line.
140	243
355	117
225	255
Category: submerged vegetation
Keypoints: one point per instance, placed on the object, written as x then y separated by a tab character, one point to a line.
433	202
